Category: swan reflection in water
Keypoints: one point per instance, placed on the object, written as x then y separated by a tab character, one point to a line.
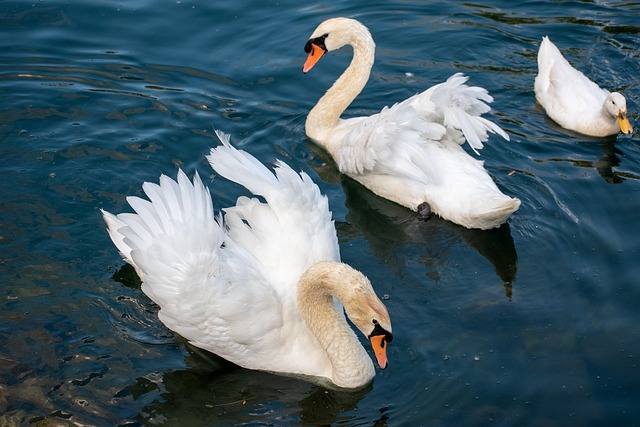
388	227
212	389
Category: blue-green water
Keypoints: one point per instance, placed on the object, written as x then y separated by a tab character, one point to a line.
534	324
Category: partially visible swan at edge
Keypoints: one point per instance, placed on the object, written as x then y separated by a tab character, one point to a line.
575	102
411	152
257	288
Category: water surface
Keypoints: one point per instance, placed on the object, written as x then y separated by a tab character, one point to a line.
531	324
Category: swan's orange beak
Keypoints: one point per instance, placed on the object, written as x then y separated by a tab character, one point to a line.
379	345
315	55
623	122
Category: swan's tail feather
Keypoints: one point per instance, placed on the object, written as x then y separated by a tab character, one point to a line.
462	107
499	214
490	212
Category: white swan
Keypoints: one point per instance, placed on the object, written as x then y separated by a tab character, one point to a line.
257	289
411	152
575	102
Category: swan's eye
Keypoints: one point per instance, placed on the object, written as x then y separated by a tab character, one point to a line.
379	330
318	41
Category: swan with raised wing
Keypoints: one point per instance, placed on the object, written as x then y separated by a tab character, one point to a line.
575	102
411	152
264	288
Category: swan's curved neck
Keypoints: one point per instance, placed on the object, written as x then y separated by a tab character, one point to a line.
351	365
326	113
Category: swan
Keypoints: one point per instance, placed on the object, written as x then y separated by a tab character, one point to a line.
409	153
264	287
575	102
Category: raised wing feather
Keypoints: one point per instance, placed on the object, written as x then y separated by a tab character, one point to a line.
230	287
458	107
288	233
189	268
448	112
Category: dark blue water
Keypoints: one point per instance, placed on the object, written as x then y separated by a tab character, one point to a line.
533	324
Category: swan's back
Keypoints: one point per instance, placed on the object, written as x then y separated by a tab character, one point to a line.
230	287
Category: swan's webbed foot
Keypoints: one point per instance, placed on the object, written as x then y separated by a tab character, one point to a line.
424	211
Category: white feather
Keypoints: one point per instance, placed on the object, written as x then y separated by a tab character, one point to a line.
230	288
410	153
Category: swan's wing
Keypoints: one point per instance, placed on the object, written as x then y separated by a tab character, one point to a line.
419	152
440	172
287	231
201	280
451	110
459	107
400	148
365	144
411	153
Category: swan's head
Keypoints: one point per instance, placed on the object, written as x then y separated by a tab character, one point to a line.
367	313
616	106
333	34
330	279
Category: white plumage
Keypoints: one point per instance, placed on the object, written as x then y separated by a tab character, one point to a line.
575	102
237	287
411	152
